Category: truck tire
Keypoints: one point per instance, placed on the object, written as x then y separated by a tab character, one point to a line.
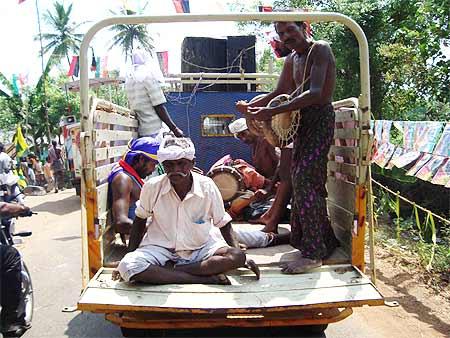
315	328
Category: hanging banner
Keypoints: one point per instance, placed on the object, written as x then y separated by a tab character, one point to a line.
181	6
419	164
406	158
409	130
443	145
384	154
73	64
427	172
426	136
399	151
378	131
442	176
163	59
385	134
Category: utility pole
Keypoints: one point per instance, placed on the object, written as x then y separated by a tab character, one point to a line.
47	122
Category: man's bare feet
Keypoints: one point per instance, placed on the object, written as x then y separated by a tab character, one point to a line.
269	224
300	265
251	265
220	279
116	276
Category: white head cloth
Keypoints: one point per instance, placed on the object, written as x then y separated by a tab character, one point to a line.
176	148
144	66
238	126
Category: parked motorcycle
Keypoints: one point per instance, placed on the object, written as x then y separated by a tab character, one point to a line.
7	234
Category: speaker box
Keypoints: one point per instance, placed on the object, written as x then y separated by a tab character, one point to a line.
241	53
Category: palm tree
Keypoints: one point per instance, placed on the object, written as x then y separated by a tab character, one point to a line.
128	37
64	39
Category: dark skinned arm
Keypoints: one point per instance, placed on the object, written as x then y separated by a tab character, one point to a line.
285	85
229	236
321	59
163	114
137	233
13	209
121	193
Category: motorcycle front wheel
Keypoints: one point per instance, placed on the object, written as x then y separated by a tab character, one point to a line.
27	294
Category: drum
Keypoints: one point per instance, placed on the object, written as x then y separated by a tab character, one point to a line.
255	126
281	130
229	181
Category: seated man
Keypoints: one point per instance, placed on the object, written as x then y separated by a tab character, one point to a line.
126	180
264	157
281	173
183	207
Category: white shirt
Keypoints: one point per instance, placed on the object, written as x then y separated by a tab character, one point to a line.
181	225
6	163
143	96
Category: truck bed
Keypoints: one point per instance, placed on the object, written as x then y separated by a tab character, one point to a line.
340	285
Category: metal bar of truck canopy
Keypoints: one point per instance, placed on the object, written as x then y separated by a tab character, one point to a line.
293	16
88	186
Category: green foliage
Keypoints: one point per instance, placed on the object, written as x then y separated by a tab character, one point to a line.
409	73
63	39
127	37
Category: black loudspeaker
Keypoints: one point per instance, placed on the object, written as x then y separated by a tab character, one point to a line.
203	55
241	53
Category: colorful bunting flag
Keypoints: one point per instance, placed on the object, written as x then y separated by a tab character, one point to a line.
20	1
97	70
105	66
14	84
181	6
73	65
163	59
265	9
20	142
93	62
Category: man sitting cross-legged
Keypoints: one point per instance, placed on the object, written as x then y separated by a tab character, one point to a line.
183	207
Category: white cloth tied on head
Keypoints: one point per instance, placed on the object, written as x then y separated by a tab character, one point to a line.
176	148
238	126
144	67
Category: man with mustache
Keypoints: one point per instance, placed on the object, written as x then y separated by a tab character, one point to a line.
311	67
126	180
178	245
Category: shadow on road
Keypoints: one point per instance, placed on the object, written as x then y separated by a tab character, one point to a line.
411	304
87	325
64	206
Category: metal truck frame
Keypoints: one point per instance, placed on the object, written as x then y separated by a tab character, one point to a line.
332	290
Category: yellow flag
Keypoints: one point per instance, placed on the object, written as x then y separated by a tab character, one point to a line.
20	142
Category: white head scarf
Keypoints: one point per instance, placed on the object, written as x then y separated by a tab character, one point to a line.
175	148
144	66
238	126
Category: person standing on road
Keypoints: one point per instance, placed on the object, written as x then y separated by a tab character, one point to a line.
311	231
146	98
56	161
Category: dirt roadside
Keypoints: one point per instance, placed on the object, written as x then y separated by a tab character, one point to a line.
424	309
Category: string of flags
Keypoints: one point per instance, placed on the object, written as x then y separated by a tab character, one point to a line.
424	153
98	65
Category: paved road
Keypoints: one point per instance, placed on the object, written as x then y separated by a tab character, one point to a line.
53	256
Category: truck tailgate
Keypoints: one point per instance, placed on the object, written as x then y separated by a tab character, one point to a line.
330	286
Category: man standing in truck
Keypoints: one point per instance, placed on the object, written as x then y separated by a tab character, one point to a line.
311	232
180	245
146	97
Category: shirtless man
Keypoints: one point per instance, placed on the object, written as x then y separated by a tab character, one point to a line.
126	180
179	246
311	232
264	156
